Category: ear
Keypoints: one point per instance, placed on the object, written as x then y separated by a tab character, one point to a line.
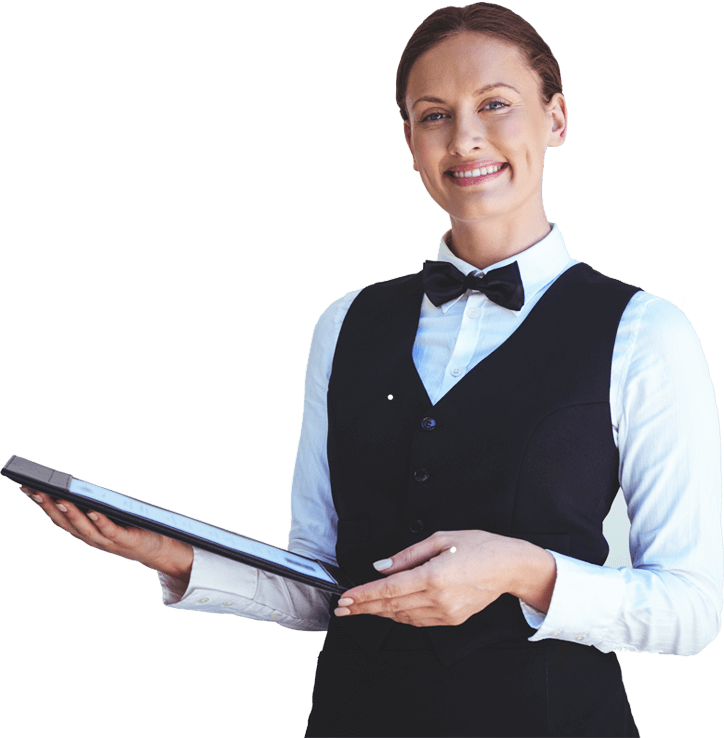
408	138
558	115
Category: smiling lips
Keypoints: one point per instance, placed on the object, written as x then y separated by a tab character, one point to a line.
477	172
474	175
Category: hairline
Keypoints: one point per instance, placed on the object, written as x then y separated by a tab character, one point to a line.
524	57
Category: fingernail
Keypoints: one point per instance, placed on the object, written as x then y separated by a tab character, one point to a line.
382	564
345	601
340	612
62	508
37	498
92	516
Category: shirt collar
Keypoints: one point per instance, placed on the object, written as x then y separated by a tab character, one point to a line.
539	264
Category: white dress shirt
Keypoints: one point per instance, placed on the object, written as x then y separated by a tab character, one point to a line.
663	421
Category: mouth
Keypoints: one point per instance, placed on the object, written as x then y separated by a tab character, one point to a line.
475	175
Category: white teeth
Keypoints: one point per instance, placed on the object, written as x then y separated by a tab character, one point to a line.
477	172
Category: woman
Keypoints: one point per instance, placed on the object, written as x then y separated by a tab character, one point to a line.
510	450
545	355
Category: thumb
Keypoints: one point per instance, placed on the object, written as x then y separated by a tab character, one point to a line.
413	556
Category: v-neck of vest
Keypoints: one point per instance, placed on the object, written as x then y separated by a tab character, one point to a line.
526	325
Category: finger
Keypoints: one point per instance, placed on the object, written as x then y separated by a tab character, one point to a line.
414	555
104	524
64	514
393	607
57	514
31	493
41	498
86	528
398	585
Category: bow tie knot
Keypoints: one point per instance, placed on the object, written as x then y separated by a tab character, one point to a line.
443	282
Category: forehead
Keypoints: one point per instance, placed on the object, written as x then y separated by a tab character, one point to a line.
466	62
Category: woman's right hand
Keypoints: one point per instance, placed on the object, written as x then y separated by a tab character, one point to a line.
147	547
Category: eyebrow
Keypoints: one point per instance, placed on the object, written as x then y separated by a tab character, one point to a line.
482	90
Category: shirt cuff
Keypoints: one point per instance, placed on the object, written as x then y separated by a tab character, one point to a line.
215	583
221	585
586	600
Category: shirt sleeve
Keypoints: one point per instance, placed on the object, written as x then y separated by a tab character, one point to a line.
667	431
220	585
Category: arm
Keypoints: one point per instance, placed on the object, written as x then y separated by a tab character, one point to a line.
179	563
535	577
173	558
220	585
670	474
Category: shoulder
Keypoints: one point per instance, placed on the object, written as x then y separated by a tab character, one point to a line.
329	325
659	344
584	281
378	297
331	320
652	321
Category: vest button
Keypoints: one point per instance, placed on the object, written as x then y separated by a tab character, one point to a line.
429	424
416	526
421	475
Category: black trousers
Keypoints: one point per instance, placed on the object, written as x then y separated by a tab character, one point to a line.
516	688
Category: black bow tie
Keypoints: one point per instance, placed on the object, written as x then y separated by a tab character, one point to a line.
443	282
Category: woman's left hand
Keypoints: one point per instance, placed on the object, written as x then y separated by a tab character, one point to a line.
450	576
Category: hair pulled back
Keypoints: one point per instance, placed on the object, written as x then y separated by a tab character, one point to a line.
492	20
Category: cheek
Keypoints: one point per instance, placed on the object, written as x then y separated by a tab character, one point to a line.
513	129
507	131
427	150
520	142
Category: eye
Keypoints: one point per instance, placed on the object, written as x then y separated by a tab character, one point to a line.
432	117
495	105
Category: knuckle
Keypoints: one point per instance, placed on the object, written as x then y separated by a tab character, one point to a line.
110	533
403	558
390	590
435	579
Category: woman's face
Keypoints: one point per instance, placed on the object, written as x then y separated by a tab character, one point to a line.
473	103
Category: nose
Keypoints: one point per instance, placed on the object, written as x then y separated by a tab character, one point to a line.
468	134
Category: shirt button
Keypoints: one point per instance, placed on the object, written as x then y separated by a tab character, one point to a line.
421	475
579	637
275	616
473	313
203	600
555	633
429	424
456	371
229	603
416	526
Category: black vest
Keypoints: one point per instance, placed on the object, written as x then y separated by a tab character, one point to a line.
521	446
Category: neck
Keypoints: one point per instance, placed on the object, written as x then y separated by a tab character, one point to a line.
482	243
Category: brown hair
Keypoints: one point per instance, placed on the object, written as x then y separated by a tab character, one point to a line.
492	20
